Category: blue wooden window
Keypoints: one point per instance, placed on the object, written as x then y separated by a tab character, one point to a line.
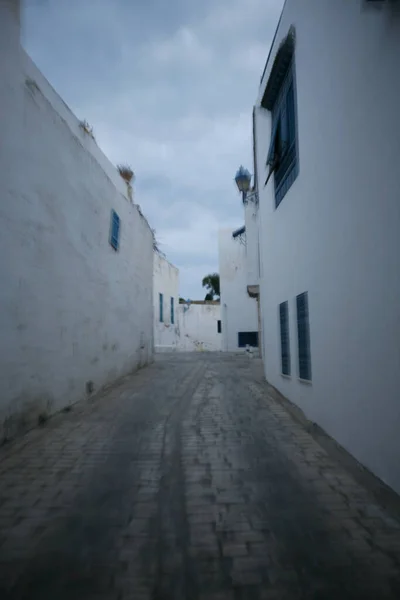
285	343
114	230
161	298
172	312
282	153
219	326
303	335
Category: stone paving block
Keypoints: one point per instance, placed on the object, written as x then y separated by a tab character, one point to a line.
188	480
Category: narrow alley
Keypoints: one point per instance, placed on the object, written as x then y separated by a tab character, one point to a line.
187	481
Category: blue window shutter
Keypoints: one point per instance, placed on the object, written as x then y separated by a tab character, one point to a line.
172	312
115	228
284	127
286	169
161	298
285	342
303	335
291	116
271	151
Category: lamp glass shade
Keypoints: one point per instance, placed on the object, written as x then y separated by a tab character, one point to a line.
243	179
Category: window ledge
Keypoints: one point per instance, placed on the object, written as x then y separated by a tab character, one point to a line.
305	381
286	376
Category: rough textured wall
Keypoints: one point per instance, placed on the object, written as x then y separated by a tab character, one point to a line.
336	232
238	310
166	282
198	327
75	314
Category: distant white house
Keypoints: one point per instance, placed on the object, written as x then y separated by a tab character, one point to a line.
199	326
165	300
192	326
327	142
238	309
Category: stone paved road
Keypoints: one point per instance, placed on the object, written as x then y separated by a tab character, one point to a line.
187	481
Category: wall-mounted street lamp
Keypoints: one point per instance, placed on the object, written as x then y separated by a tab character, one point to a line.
243	180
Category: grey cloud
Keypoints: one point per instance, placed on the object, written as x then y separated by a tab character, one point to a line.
169	88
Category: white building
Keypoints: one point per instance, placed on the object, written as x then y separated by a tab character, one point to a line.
76	256
238	309
166	301
327	122
199	326
190	327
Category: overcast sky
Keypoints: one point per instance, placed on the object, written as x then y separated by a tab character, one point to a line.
168	86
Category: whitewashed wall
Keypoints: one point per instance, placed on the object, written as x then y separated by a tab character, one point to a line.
166	282
336	232
72	310
252	241
238	310
11	97
198	328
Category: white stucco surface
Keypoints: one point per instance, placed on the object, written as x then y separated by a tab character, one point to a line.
11	109
198	328
238	310
252	241
195	326
336	232
166	282
72	309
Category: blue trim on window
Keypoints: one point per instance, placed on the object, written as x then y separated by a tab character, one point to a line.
161	308
114	230
172	312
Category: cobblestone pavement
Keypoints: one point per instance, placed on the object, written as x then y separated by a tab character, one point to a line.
187	481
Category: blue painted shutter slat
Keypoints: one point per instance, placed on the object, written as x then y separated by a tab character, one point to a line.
271	151
285	345
115	227
303	332
291	114
284	128
161	299
287	168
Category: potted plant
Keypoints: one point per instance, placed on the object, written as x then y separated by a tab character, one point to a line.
127	175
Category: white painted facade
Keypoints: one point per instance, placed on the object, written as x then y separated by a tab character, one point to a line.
166	284
251	222
336	232
238	310
194	326
74	313
198	327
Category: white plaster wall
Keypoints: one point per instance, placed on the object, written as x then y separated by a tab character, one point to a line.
251	250
198	328
166	282
238	310
336	232
72	310
10	95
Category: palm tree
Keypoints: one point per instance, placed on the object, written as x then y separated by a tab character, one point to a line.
211	283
